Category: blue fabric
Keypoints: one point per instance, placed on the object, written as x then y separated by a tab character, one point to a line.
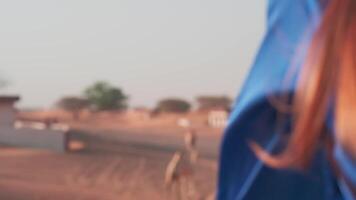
348	168
290	25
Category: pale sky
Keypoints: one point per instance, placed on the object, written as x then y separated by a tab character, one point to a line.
150	48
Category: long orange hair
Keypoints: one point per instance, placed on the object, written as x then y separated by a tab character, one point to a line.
328	76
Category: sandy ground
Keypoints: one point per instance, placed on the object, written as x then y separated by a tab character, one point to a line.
103	170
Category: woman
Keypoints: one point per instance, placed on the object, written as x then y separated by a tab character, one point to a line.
292	134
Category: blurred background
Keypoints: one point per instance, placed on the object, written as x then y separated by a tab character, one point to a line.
122	99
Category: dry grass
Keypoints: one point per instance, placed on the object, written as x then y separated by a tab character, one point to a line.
103	171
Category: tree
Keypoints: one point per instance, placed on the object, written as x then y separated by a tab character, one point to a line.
73	104
214	102
104	96
3	83
173	105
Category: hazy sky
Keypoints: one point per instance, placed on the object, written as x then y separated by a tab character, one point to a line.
150	48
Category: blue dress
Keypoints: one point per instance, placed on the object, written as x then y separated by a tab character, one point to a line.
290	25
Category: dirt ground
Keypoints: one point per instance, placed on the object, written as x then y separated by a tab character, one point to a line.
103	170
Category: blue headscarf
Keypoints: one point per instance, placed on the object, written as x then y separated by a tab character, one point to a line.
290	25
